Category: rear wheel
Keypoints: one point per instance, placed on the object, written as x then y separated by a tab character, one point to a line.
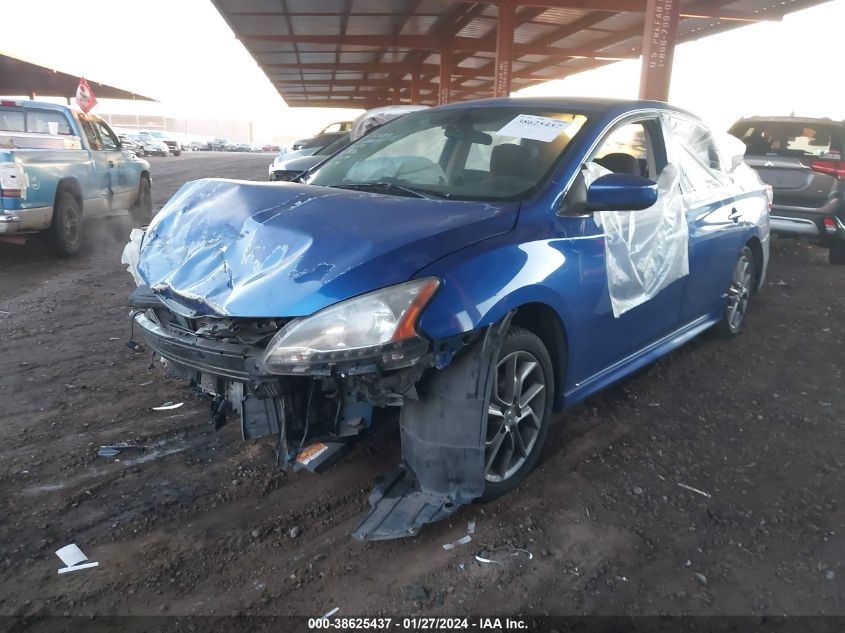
65	233
739	295
837	254
142	210
519	413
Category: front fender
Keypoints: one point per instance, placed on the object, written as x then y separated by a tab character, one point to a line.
482	284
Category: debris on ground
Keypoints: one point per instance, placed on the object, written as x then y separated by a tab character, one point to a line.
115	449
695	490
73	558
701	578
295	531
461	541
168	406
503	556
330	613
471	527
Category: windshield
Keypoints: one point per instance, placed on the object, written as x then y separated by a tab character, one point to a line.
331	148
321	141
491	153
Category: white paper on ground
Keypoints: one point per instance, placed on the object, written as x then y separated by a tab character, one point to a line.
168	407
71	555
538	128
461	541
65	570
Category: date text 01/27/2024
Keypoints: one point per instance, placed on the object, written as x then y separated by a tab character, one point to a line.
419	624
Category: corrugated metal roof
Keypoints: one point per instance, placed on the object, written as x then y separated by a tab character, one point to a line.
358	53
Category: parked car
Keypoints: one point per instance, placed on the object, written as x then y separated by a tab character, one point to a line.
480	265
130	143
219	145
332	128
243	147
199	146
151	146
156	140
271	148
290	169
314	146
58	166
802	159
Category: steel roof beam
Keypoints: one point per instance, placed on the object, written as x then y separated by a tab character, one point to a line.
705	10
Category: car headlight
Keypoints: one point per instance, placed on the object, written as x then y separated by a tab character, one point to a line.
376	328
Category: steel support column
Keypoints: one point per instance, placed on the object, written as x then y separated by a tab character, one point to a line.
504	51
445	75
415	88
659	37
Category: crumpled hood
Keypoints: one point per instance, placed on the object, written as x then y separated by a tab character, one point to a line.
248	249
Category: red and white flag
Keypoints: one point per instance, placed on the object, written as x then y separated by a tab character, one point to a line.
85	98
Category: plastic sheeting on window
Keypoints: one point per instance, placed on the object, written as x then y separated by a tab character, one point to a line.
732	153
645	250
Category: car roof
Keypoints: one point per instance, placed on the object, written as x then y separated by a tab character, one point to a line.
587	105
791	119
41	105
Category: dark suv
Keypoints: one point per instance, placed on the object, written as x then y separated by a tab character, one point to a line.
801	158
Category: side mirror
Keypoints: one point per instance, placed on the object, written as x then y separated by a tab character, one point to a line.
621	192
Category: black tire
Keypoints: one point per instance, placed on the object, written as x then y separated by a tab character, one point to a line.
522	354
64	237
142	210
836	256
177	153
740	291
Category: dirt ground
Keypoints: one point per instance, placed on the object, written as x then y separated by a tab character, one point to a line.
204	523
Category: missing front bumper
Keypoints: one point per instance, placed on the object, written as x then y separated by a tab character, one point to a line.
444	401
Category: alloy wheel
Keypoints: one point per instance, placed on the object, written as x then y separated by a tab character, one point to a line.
515	415
739	292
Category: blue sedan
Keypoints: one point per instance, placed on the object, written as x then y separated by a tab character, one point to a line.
479	266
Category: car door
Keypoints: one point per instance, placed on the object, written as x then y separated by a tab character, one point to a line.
123	188
96	191
714	218
635	145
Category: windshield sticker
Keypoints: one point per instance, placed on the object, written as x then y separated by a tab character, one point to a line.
538	128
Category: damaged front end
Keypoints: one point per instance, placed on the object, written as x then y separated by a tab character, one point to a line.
296	309
313	382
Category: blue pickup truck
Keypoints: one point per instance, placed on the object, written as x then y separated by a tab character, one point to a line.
58	166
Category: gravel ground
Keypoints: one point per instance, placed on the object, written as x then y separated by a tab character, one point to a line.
203	523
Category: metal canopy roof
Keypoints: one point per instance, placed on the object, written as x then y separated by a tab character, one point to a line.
20	77
366	53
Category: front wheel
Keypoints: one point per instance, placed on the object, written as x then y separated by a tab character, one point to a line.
519	413
739	295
